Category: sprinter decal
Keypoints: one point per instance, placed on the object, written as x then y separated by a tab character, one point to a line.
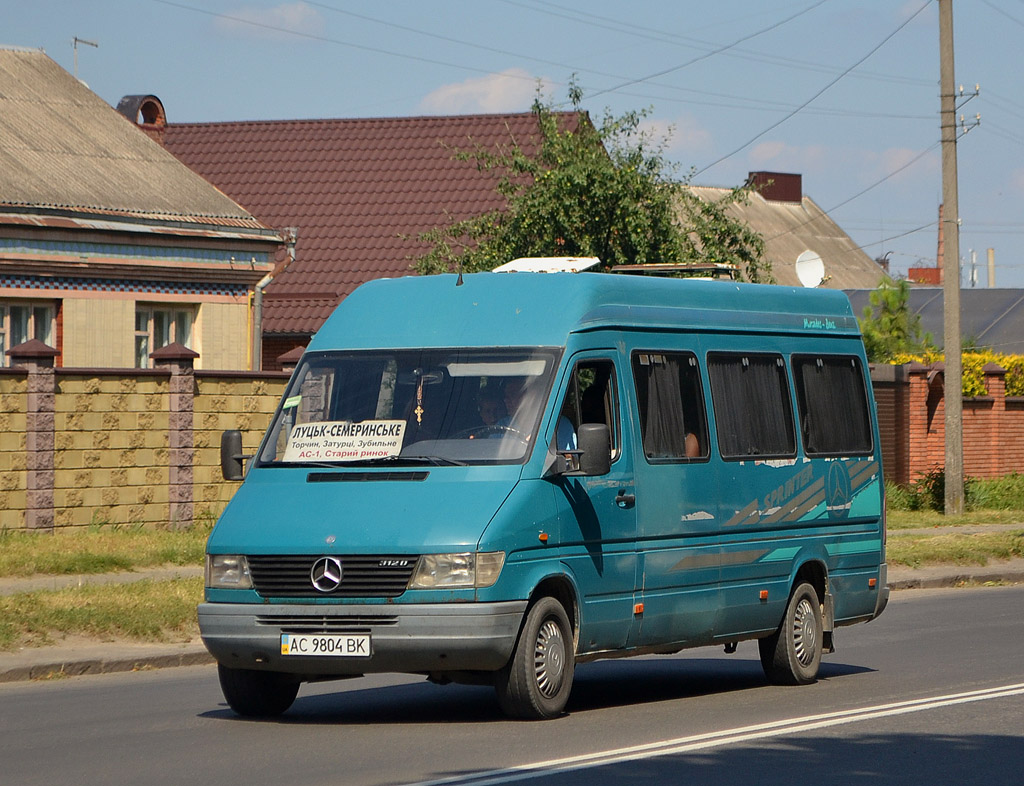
804	493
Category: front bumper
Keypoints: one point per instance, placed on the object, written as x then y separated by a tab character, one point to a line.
412	638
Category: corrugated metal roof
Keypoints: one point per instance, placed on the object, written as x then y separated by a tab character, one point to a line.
63	148
359	191
991	318
790	228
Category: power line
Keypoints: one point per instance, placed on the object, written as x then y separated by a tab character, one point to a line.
816	95
676	39
1004	13
719	50
337	41
766	105
860	193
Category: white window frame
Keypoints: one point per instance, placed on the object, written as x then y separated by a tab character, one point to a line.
40	323
159	324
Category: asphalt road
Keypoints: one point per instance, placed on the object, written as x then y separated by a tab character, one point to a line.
930	693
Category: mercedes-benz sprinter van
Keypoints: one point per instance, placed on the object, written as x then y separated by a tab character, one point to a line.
496	477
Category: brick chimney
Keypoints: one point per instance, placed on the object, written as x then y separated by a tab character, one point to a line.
147	112
777	186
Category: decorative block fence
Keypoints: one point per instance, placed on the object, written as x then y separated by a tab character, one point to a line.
911	421
81	447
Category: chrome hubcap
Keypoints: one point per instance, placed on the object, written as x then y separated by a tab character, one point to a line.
549	658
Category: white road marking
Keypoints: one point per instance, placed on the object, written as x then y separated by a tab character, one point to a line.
717	739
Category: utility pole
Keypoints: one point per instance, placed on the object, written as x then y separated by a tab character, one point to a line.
953	377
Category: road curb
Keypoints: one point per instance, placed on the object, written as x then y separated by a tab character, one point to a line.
973	578
41	665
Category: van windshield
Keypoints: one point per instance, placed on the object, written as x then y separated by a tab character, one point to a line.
433	406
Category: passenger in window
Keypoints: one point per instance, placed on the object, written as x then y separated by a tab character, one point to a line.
490	405
565	431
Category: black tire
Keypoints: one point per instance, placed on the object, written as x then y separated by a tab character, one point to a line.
257	694
536	683
792	655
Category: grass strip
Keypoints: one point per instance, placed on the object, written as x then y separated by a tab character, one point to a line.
954	549
920	519
99	550
145	611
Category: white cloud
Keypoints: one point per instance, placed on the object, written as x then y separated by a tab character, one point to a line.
852	166
512	90
279	21
1017	180
806	160
684	137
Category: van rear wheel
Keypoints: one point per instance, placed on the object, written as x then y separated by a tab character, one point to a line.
536	683
792	655
257	694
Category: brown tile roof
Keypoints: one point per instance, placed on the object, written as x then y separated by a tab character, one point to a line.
65	150
358	191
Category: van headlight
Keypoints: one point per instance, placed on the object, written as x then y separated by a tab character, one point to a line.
227	571
470	569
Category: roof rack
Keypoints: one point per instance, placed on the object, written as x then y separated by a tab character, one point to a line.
714	270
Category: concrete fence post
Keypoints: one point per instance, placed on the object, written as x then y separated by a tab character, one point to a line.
38	361
181	440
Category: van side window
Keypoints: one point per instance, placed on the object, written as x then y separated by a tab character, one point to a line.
671	404
832	404
753	413
589	399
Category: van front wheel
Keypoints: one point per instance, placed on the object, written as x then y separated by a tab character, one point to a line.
792	655
538	678
257	694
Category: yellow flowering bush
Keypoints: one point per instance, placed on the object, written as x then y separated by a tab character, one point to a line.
973	369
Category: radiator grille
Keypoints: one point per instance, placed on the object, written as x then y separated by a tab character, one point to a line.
363	576
319	623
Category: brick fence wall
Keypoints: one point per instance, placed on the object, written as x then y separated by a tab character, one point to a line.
80	447
911	422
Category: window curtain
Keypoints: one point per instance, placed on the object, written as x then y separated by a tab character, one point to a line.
752	408
833	406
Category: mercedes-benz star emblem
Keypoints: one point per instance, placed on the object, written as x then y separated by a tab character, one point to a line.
326	574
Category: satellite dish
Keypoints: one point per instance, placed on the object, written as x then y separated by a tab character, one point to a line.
810	269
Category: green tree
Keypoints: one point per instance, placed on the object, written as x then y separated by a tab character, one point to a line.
888	326
603	191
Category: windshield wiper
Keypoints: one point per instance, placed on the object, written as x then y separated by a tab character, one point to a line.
439	461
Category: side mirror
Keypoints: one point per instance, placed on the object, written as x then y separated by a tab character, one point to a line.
595	444
231	457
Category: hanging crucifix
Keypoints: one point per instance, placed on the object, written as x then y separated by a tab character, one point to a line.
419	400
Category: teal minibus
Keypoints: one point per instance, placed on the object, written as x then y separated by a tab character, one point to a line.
496	477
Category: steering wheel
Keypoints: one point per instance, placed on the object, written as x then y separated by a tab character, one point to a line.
495	429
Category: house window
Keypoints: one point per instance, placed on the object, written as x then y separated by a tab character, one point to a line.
22	321
156	327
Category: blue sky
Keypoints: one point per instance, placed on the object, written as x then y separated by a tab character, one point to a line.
844	92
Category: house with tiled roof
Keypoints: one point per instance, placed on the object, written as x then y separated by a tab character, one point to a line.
358	192
792	225
110	247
